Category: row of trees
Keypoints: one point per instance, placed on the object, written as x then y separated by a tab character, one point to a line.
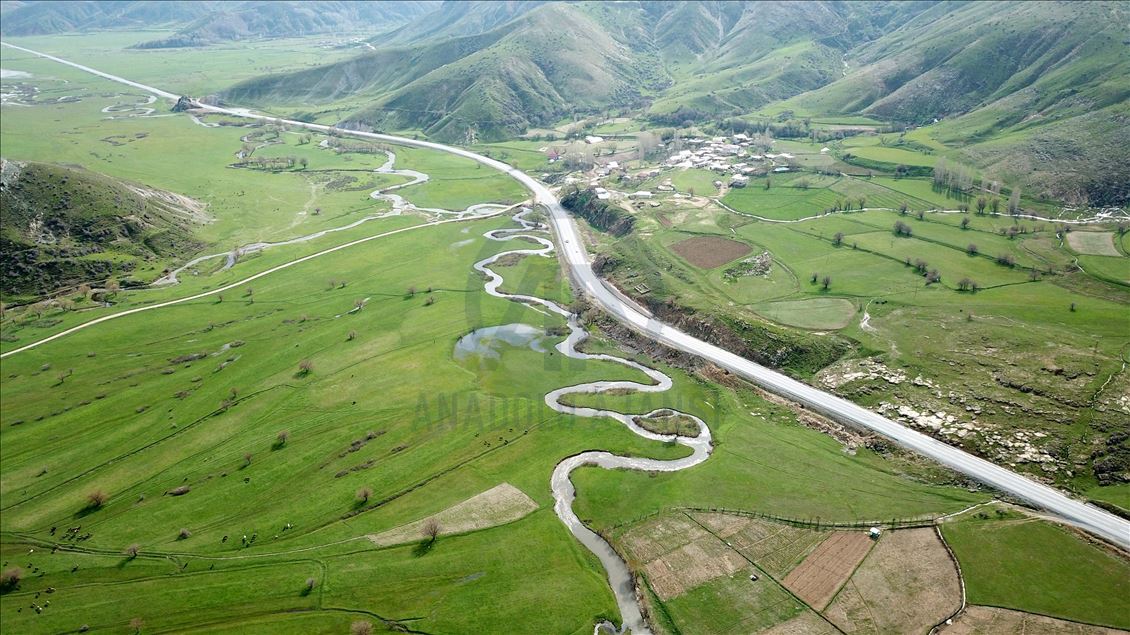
274	163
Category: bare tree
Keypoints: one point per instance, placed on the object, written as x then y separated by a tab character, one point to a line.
838	239
136	624
981	203
431	530
826	282
184	534
933	276
351	336
305	367
96	499
903	208
1014	202
10	578
282	438
1007	260
995	206
132	551
361	627
965	284
246	459
310	584
364	494
965	223
971	249
902	229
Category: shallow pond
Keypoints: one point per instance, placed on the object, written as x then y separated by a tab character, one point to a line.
487	342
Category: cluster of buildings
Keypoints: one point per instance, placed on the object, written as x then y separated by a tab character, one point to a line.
729	155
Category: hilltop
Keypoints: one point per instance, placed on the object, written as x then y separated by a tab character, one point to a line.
64	226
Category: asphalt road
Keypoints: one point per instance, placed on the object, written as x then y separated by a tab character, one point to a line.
1097	521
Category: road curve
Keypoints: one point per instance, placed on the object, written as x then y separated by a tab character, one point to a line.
1097	521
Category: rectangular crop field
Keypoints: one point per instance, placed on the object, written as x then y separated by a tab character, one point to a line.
826	569
708	252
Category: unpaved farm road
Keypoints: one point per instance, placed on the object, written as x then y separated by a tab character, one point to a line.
1090	518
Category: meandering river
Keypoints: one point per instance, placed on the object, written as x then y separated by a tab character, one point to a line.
619	577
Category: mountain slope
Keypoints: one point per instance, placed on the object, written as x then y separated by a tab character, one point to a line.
531	71
249	20
456	19
205	22
64	226
58	16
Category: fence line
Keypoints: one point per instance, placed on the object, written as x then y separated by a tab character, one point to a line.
811	523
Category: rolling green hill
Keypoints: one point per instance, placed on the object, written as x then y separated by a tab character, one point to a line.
64	226
1033	93
251	20
54	16
495	69
533	70
207	21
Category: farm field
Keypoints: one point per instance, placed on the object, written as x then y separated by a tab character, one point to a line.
817	579
1015	561
907	584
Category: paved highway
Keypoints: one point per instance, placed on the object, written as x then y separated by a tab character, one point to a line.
1095	520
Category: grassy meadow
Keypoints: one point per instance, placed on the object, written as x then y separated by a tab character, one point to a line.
1015	561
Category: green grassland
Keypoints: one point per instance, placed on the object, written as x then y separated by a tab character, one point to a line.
195	395
141	421
189	70
1015	561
